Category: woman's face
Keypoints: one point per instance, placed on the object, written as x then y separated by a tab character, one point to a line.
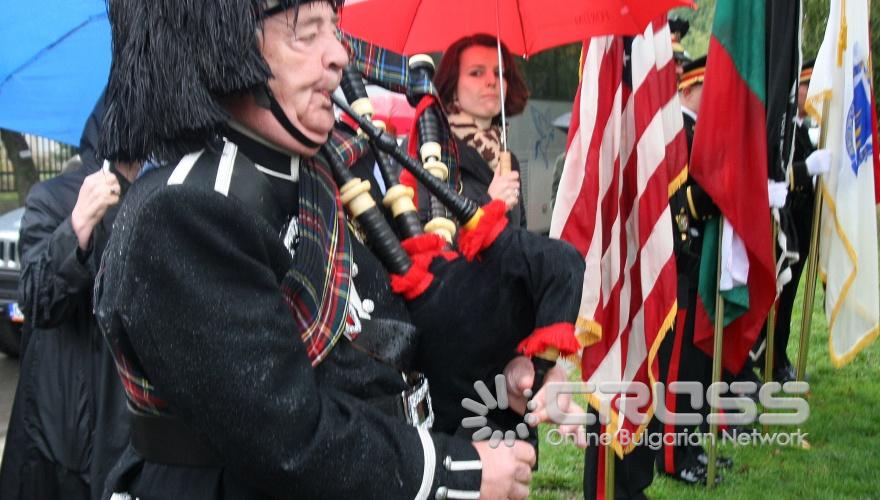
478	89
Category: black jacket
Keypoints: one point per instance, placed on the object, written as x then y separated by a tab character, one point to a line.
192	288
801	184
691	206
67	428
476	175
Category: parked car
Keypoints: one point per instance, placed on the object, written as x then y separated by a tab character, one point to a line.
10	269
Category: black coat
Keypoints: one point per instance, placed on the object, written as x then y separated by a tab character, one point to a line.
67	428
192	291
691	206
799	205
476	175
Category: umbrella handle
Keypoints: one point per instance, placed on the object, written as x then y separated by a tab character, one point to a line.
504	163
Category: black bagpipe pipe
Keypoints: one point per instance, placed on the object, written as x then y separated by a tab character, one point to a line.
480	306
464	209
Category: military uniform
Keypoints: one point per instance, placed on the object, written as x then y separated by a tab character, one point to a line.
799	207
800	204
680	359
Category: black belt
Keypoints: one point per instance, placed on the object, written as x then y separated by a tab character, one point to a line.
412	405
166	440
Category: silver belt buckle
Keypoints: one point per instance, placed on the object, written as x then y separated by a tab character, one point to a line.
417	403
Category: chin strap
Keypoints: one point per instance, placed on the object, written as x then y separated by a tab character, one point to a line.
266	100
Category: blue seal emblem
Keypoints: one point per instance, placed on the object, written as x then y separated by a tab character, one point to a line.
858	120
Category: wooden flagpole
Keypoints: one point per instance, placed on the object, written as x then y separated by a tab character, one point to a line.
716	363
813	260
769	347
610	457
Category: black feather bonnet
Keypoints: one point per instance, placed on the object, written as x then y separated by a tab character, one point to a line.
173	63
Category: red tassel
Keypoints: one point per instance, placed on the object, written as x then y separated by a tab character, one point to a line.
494	220
422	249
423	243
558	336
414	282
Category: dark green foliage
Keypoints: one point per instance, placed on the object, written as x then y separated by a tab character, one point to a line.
815	17
553	74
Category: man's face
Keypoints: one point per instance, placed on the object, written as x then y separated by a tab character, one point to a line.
692	97
306	60
802	98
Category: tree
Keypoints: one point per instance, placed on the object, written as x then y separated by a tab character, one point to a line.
696	42
19	153
553	74
815	19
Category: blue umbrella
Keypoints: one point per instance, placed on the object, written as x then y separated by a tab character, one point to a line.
54	62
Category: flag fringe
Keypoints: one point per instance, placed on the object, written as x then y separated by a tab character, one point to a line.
840	360
619	449
850	251
817	99
588	331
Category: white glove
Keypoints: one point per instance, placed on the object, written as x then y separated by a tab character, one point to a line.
819	162
777	192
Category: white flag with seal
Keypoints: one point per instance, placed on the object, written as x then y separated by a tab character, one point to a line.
848	235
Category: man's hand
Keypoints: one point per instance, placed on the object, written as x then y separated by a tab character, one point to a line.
777	192
507	471
520	375
99	192
505	187
819	162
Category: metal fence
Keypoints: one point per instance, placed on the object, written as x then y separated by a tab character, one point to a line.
49	157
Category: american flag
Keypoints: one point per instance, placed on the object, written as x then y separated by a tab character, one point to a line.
626	155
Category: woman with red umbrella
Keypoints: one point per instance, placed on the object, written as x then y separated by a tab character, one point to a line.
470	89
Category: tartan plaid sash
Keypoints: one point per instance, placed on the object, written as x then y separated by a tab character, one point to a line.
390	70
385	68
316	288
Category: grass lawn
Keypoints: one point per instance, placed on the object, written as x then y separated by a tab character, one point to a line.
843	431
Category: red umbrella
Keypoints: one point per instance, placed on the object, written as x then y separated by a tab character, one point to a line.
394	110
526	26
389	107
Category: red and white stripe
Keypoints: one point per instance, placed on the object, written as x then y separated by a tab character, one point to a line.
626	152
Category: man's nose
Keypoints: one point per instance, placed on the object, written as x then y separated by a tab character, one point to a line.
335	57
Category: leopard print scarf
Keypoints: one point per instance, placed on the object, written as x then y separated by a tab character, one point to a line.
487	142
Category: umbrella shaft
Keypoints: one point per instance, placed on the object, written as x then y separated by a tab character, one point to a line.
501	77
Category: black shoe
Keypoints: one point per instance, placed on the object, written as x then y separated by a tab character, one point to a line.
721	462
694	475
784	374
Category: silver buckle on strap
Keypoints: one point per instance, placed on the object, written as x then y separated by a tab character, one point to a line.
417	403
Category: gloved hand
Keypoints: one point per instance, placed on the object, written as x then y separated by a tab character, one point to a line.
819	162
777	192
